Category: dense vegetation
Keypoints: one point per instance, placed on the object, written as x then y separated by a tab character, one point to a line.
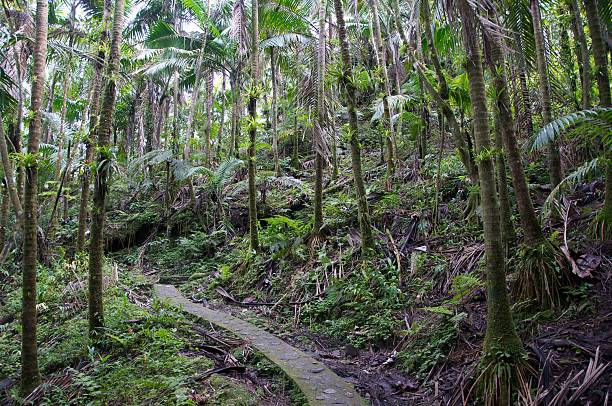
418	193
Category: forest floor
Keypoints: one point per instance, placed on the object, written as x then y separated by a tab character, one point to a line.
404	328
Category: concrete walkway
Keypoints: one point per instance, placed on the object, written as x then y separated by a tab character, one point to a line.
319	384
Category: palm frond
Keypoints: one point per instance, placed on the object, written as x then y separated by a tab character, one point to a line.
599	120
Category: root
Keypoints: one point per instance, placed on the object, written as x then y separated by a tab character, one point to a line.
501	376
540	269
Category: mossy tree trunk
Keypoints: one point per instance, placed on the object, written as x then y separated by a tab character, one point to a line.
4	213
600	53
554	160
508	233
7	166
30	375
96	255
94	112
529	222
582	51
274	74
501	333
386	127
253	95
365	226
318	135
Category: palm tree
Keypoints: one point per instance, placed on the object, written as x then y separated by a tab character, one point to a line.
381	55
501	334
583	53
96	251
554	160
365	226
94	108
7	166
253	96
30	375
600	53
319	124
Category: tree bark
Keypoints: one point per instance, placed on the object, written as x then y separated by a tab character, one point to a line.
4	212
582	50
603	83
529	221
30	375
554	160
501	333
9	173
94	109
365	226
386	126
96	311
274	73
253	95
505	209
319	125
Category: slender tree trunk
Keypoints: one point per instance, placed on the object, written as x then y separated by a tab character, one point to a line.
207	129
30	375
253	95
273	68
222	123
9	173
365	226
433	52
505	209
96	312
603	83
94	109
319	137
4	212
386	126
583	53
554	160
529	222
501	333
195	98
527	124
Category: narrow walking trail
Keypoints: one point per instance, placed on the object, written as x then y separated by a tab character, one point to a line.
319	384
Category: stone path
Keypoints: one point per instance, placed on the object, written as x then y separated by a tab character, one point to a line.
319	384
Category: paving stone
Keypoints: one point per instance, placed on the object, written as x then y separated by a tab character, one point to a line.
311	376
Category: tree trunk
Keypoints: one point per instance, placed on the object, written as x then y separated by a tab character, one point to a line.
253	95
222	123
527	124
96	313
4	212
582	51
505	209
318	134
554	160
9	174
30	375
432	49
529	221
501	333
195	98
94	109
208	127
386	126
603	83
274	73
365	226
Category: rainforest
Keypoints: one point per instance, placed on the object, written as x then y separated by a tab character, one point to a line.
305	202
